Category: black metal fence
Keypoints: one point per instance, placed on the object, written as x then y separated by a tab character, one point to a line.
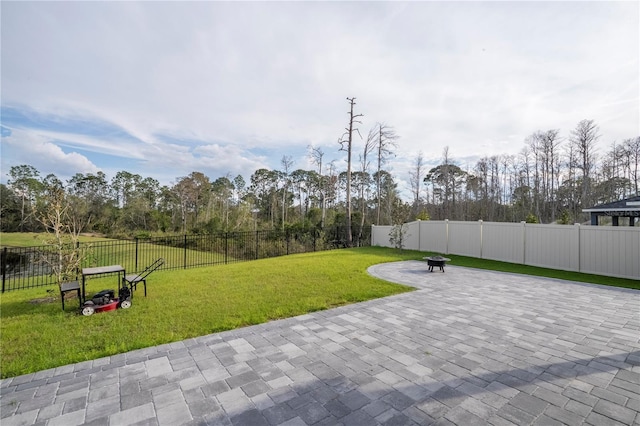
27	267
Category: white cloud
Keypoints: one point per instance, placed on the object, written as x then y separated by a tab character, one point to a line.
242	84
40	151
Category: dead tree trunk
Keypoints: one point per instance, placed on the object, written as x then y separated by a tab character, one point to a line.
347	146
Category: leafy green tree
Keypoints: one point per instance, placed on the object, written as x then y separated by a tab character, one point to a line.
192	194
264	188
361	182
167	216
124	185
240	187
9	210
149	190
25	183
301	184
319	183
92	194
221	200
390	196
447	181
285	182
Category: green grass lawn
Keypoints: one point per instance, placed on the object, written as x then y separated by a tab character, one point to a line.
194	302
32	239
186	303
494	265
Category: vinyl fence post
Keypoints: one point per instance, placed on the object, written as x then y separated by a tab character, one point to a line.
524	242
480	222
578	246
446	227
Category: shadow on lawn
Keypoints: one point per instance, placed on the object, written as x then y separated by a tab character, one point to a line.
49	305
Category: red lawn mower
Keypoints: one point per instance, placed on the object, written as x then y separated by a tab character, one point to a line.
105	300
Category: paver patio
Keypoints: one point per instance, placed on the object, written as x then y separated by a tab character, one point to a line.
469	347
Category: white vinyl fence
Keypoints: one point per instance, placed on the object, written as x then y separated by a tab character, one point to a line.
603	250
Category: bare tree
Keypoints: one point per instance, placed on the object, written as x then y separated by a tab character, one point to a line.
415	179
521	198
63	230
551	141
622	158
534	144
632	148
387	138
506	162
544	146
364	178
584	138
570	185
346	144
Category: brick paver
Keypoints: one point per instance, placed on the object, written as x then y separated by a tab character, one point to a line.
468	347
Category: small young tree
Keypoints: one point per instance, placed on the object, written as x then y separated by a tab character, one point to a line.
565	217
400	214
531	218
423	215
398	235
63	227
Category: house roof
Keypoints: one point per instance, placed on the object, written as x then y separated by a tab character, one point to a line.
627	205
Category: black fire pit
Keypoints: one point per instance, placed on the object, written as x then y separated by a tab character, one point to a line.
437	261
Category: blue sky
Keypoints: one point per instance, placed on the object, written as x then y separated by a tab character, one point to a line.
163	89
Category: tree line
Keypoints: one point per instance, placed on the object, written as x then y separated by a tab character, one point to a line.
551	180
